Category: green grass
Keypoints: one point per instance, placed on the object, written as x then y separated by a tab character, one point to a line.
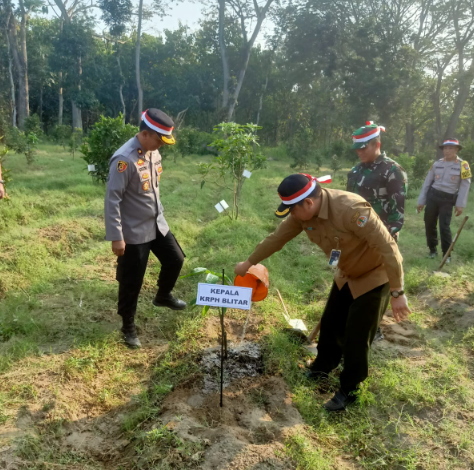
60	353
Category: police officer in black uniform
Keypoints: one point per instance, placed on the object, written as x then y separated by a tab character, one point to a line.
135	223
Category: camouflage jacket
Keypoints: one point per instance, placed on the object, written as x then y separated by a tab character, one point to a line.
382	183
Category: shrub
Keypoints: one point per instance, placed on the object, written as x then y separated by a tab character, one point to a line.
302	150
75	141
191	141
236	146
62	134
33	126
20	142
107	136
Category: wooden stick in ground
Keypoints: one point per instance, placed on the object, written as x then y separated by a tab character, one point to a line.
455	239
287	316
314	332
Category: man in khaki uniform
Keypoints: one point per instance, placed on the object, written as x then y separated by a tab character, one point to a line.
367	266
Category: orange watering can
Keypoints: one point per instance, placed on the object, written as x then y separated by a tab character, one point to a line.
257	279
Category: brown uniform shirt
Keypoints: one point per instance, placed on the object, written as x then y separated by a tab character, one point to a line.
369	255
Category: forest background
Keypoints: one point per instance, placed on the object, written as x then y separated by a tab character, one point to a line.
309	72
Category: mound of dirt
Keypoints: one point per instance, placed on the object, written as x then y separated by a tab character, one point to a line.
247	432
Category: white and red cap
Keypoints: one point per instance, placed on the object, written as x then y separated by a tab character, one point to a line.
361	136
295	188
451	142
160	122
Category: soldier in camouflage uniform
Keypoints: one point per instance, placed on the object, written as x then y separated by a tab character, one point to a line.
379	180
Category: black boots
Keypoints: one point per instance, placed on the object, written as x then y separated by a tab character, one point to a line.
339	401
130	336
167	300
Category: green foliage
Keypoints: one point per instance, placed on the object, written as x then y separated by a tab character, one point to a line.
192	141
236	145
335	164
467	152
107	136
75	141
212	277
33	125
416	168
302	150
22	143
62	134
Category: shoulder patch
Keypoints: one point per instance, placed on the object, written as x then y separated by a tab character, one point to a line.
465	170
121	166
362	220
355	217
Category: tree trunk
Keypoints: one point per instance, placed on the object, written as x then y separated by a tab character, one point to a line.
40	107
76	111
261	14
137	62
61	95
409	138
463	94
224	58
10	74
24	58
21	75
260	104
121	86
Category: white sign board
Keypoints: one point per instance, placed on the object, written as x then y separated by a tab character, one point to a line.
247	174
90	167
216	295
219	207
224	204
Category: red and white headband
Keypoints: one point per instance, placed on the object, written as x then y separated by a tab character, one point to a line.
306	191
156	126
451	142
372	134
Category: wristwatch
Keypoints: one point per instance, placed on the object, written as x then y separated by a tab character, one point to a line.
397	293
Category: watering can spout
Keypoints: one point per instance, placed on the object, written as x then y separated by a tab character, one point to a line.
257	279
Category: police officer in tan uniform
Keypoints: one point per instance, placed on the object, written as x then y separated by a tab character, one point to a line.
367	267
135	223
446	186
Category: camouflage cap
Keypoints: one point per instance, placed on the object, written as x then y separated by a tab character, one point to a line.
364	134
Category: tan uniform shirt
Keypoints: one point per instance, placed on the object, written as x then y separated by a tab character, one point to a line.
369	255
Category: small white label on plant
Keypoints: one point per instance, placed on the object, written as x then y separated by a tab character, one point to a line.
224	204
247	174
219	207
90	167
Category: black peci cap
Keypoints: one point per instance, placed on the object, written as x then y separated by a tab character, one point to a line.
160	122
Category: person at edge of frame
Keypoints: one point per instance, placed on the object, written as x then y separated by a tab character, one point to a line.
381	181
446	186
368	266
2	184
135	223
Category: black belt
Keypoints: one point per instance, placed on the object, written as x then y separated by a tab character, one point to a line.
443	195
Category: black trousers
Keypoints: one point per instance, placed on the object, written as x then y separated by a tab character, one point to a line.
131	269
439	205
348	328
